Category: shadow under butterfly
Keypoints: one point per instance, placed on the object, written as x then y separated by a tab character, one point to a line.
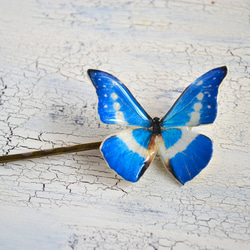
183	152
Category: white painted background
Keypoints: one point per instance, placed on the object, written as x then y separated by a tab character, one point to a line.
156	48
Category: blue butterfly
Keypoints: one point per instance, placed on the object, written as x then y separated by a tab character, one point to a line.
183	152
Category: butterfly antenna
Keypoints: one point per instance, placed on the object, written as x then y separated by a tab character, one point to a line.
48	152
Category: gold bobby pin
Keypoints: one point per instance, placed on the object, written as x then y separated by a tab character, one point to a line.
48	152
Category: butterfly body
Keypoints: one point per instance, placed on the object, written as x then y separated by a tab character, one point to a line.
156	124
183	152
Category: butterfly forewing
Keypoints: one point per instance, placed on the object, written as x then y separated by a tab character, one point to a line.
116	104
198	103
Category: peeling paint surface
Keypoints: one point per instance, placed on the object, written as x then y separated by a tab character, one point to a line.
157	48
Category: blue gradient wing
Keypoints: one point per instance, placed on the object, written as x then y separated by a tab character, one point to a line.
129	152
116	104
184	153
198	103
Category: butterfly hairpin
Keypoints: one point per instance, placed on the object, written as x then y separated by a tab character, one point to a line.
130	152
183	152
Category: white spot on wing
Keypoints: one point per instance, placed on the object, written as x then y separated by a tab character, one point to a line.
207	93
197	106
200	96
199	83
116	106
120	118
194	119
114	96
195	115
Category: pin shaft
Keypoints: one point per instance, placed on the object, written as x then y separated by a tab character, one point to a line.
48	152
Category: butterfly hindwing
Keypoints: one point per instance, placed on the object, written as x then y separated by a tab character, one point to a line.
129	152
116	104
184	153
198	103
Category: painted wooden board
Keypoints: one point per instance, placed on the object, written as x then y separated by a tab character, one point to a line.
157	48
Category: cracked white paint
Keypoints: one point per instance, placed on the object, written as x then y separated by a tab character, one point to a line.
156	48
